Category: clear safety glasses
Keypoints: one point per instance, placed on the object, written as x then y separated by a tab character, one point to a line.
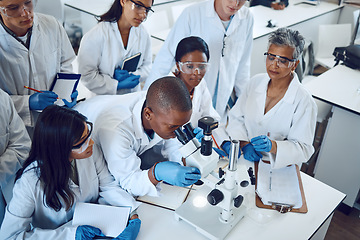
84	144
192	67
282	62
15	10
140	8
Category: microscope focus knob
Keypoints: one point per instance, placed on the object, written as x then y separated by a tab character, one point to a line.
238	201
215	196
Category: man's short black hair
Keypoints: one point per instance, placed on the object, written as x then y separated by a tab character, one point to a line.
168	93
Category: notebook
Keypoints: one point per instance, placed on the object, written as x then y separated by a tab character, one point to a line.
131	63
64	85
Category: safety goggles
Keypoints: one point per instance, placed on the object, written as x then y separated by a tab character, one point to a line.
84	144
192	67
14	10
140	8
282	62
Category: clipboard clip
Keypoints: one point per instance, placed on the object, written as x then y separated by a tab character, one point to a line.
281	207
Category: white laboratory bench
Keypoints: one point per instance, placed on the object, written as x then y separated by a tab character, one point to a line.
338	163
258	224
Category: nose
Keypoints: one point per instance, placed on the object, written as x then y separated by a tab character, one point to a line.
196	71
24	11
91	142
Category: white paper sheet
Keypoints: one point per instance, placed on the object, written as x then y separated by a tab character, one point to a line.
64	88
110	219
284	185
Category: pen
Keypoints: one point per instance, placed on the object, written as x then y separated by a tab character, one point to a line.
33	89
268	134
270	180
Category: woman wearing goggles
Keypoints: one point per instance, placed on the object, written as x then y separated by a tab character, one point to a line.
191	57
64	167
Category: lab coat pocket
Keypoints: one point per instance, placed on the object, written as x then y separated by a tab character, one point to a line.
4	139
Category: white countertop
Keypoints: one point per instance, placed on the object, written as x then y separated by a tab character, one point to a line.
159	223
339	86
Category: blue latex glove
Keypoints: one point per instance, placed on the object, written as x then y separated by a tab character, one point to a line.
175	174
73	98
220	152
121	75
131	231
129	82
261	143
226	147
86	232
199	133
40	100
250	153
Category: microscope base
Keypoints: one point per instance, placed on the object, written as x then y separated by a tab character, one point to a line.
206	219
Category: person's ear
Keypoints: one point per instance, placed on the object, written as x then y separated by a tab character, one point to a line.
295	65
122	2
148	113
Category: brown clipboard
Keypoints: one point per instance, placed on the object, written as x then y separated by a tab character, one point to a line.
259	203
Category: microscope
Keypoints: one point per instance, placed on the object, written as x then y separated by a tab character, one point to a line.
215	207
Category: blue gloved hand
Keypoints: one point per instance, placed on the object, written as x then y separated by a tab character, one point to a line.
73	98
131	231
40	100
120	75
86	232
250	153
129	82
226	147
199	133
261	143
220	152
175	174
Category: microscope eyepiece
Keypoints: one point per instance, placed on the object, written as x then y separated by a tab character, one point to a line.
181	136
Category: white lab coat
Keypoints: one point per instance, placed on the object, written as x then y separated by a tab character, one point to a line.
234	68
28	218
50	52
14	147
119	131
102	50
291	122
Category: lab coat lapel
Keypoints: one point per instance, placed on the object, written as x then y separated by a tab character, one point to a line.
35	34
13	45
260	98
212	16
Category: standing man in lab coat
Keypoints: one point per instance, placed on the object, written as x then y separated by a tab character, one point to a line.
14	148
226	26
126	126
33	48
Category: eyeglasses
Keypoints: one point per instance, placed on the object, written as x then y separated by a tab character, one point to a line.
282	62
16	10
192	67
140	8
84	144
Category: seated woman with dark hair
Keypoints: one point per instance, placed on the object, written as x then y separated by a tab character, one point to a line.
275	118
64	167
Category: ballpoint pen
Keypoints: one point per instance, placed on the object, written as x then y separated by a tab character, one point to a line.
270	180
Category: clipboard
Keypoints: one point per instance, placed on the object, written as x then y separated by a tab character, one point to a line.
131	63
260	204
65	84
